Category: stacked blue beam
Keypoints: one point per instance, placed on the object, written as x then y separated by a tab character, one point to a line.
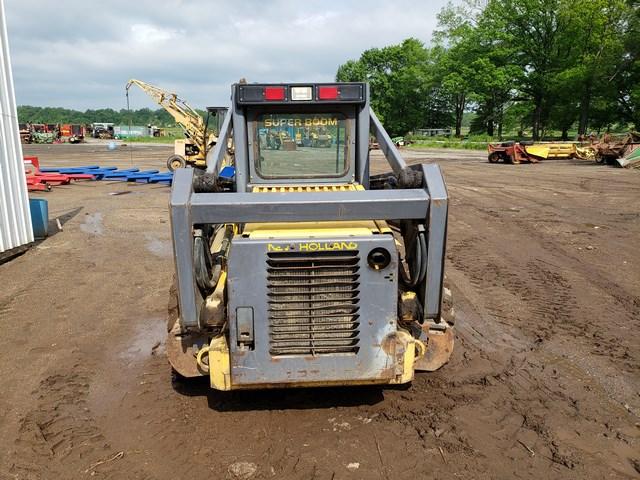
127	174
113	174
67	169
165	178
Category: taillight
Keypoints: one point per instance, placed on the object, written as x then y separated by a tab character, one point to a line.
274	93
327	93
257	94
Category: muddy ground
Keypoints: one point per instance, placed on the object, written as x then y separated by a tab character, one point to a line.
544	381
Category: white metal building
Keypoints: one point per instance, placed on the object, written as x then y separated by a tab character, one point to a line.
15	218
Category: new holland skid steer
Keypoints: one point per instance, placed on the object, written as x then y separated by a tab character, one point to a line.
294	266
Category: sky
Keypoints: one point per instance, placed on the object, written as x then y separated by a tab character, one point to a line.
80	54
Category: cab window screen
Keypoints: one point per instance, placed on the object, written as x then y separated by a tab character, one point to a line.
298	145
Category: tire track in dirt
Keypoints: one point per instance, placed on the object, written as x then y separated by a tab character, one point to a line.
61	435
553	299
533	285
539	299
545	246
59	429
11	299
524	404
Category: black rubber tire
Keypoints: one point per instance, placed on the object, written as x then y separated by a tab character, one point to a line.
177	378
176	161
494	157
204	182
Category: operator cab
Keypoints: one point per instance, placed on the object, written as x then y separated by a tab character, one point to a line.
299	134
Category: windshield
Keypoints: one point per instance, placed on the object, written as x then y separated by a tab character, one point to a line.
295	145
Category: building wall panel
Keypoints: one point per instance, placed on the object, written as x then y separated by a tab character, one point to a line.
15	218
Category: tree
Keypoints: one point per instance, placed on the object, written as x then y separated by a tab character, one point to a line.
595	38
531	30
404	91
626	77
143	116
566	50
454	40
477	63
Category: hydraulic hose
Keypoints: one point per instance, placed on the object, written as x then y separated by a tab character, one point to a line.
417	270
203	277
423	254
207	268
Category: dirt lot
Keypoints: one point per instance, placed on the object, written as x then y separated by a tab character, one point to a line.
544	382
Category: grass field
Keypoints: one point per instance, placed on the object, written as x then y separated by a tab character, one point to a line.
166	139
474	142
449	143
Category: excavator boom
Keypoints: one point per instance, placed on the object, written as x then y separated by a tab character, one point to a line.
187	117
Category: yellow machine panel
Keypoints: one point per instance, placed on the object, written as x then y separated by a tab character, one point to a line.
315	229
349	187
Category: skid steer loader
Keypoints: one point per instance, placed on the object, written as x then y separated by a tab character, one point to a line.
294	266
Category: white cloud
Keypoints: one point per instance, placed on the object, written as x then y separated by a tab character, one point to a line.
150	34
315	20
80	57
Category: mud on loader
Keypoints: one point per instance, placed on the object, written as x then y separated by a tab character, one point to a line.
294	266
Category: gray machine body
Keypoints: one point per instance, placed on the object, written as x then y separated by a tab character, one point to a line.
247	275
373	318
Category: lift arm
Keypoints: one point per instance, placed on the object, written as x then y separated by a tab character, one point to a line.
184	115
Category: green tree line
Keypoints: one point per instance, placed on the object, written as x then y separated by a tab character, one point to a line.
525	66
143	116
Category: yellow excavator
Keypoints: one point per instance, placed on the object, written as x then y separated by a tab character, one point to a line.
193	149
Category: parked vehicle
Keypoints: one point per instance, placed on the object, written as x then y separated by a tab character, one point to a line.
72	133
292	268
102	130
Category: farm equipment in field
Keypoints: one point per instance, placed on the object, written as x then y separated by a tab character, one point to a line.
25	133
400	141
518	152
631	159
620	149
72	133
41	133
198	141
103	131
296	268
320	139
511	152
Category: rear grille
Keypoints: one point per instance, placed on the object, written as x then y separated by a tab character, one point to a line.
313	302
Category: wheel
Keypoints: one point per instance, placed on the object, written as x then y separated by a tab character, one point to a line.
176	161
494	157
180	346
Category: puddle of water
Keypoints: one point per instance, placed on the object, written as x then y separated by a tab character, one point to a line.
147	340
93	224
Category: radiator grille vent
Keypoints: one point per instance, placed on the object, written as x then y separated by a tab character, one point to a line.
313	302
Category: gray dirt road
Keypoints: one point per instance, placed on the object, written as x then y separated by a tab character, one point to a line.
544	381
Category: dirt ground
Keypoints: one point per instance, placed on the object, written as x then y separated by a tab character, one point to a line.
544	381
